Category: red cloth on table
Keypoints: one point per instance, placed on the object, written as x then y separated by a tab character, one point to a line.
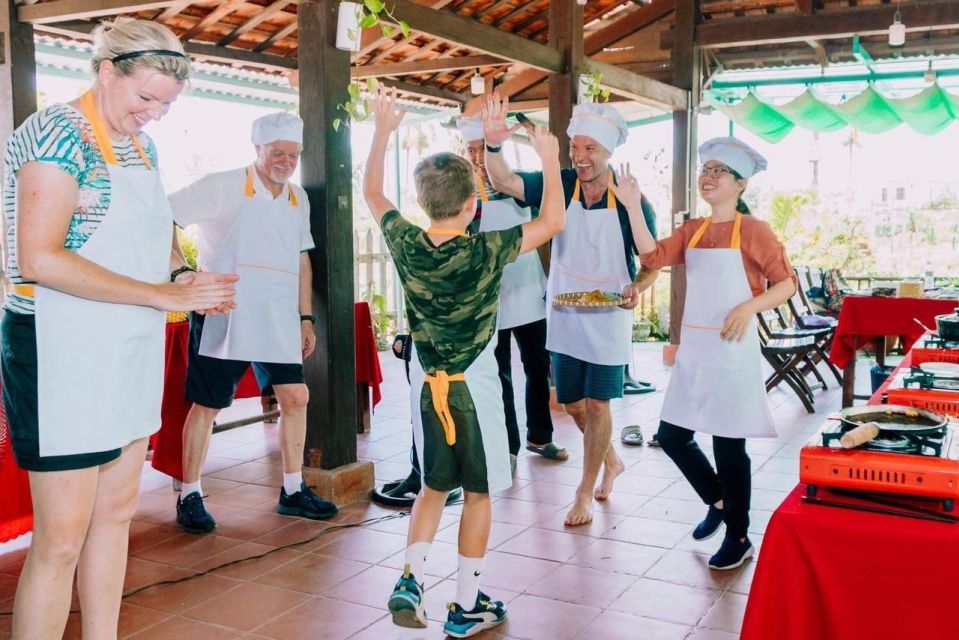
863	319
167	443
837	574
16	508
367	357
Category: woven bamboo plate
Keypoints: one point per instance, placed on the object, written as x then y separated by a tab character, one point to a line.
580	299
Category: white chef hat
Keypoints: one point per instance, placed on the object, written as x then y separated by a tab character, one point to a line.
277	126
470	128
735	154
600	122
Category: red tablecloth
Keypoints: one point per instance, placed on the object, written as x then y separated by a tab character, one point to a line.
16	510
168	444
863	319
837	574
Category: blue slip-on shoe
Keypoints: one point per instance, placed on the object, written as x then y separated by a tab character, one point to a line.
732	553
192	516
305	504
406	603
487	614
710	524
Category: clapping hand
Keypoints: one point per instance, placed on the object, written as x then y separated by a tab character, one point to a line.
495	129
385	115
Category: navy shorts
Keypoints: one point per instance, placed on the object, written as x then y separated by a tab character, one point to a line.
576	379
18	339
212	382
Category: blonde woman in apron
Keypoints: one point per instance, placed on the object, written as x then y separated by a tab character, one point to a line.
717	385
89	238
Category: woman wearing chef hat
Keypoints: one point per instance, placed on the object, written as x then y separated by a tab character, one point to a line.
717	385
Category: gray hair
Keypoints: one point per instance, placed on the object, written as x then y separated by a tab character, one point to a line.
126	35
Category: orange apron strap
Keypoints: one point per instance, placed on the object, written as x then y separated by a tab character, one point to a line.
88	108
444	231
736	241
610	193
699	234
480	187
249	190
440	390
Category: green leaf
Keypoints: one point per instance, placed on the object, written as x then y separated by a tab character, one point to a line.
368	21
372	84
405	28
376	6
353	90
336	124
386	29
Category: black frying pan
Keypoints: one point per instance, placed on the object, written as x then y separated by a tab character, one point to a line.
894	417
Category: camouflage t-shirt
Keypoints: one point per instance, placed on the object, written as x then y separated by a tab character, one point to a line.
452	291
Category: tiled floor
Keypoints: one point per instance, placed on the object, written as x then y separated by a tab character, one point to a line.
633	573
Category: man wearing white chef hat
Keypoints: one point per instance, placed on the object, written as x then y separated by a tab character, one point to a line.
522	312
256	221
596	250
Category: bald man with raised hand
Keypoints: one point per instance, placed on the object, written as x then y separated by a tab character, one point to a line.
596	250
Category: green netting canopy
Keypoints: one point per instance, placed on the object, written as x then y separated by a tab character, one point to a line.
927	112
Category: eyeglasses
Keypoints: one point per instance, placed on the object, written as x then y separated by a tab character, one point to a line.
714	172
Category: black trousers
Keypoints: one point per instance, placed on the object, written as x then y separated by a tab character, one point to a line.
531	340
730	482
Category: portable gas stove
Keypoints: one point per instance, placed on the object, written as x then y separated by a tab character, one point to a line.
924	466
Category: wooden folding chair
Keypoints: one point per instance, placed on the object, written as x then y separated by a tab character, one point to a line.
785	356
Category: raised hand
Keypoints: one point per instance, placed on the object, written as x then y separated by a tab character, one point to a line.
385	115
544	143
627	189
495	129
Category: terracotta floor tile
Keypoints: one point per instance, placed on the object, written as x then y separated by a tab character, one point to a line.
743	579
689	568
143	572
442	561
146	534
299	531
364	545
649	532
767	499
712	634
538	618
546	544
726	614
623	557
187	549
248	524
604	519
244	496
672	510
582	585
512	572
11	562
666	601
523	512
384	629
311	573
246	607
184	629
8	586
134	619
612	625
643	485
248	569
179	597
371	587
657	468
500	532
320	619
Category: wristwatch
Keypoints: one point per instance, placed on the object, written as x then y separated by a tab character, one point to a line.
307	317
493	149
177	272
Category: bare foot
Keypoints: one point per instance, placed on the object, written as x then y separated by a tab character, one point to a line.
610	474
581	512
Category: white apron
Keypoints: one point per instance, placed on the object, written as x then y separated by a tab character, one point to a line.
100	364
589	254
263	248
482	378
717	387
522	298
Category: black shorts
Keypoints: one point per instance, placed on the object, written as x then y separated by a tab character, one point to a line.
212	382
18	367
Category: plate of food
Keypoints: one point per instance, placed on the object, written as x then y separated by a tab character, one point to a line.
941	369
594	298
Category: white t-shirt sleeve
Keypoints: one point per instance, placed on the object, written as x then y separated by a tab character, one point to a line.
306	237
200	202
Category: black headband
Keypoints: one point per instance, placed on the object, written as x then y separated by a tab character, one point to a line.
148	52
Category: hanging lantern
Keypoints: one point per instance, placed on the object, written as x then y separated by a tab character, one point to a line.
897	31
348	29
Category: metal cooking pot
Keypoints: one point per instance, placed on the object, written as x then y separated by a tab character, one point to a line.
947	325
894	417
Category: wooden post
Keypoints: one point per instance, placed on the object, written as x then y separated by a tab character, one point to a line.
326	171
685	65
18	71
565	35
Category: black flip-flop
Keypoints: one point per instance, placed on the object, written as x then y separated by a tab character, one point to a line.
402	493
632	387
631	436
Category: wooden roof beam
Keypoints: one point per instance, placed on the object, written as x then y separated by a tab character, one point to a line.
429	93
426	66
260	16
211	18
637	87
841	23
476	35
66	10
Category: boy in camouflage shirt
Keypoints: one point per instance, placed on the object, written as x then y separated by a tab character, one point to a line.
452	284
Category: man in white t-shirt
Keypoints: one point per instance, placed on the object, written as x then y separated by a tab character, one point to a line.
256	221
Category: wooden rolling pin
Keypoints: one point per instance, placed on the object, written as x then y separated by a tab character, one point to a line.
859	435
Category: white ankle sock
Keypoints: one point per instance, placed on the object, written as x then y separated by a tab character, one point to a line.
186	488
467	581
291	482
416	555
